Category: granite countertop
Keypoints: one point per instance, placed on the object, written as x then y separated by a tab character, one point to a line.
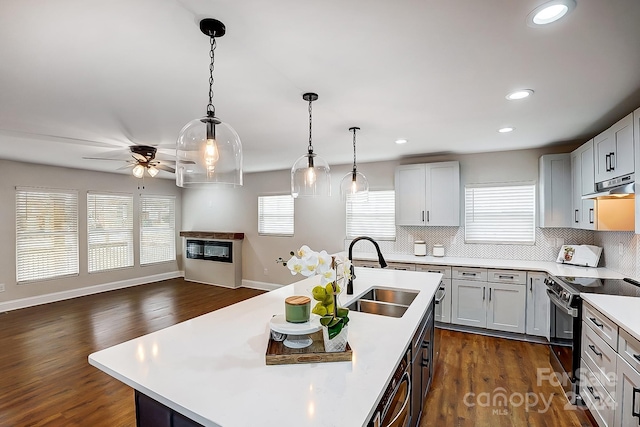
212	368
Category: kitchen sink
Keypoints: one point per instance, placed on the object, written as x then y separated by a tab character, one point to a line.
384	302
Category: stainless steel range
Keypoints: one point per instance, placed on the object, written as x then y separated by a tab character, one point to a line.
566	323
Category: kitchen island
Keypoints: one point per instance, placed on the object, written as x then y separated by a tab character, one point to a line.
212	368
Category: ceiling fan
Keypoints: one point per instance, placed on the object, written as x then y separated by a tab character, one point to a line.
141	158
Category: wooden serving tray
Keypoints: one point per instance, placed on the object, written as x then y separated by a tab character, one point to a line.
279	354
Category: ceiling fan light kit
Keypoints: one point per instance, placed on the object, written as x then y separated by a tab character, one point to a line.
310	174
354	182
208	150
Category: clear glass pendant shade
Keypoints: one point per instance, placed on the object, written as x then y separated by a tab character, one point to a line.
310	176
208	151
354	183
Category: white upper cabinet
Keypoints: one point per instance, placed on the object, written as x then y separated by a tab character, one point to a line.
554	190
428	194
583	183
614	150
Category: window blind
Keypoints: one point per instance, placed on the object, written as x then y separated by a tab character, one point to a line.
500	214
157	229
46	234
109	231
275	215
373	216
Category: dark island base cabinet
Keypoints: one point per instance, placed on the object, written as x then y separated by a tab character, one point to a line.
151	413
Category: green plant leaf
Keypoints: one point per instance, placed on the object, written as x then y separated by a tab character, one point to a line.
335	329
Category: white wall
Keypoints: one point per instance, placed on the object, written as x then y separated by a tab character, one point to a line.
15	174
320	222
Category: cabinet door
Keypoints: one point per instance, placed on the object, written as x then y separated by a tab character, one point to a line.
622	162
603	146
587	168
506	308
627	394
468	303
576	189
555	190
410	195
442	199
537	320
443	302
583	182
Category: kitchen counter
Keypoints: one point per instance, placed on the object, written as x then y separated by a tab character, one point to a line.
625	311
212	368
550	267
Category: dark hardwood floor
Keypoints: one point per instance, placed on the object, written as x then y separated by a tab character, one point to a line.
46	380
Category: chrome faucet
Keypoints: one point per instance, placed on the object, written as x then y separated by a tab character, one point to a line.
381	260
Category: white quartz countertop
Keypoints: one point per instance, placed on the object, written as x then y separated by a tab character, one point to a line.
550	267
625	311
212	368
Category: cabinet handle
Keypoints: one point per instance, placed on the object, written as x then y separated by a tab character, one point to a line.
505	277
483	289
607	162
637	357
575	216
591	216
464	273
531	284
427	216
612	161
435	271
595	322
489	294
592	393
593	348
634	413
422	216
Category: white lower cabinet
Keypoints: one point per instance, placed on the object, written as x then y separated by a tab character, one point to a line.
537	321
627	413
499	306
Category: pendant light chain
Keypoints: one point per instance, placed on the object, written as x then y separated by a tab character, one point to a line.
310	145
354	150
211	110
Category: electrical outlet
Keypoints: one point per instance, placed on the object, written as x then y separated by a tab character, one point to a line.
1	287
266	271
620	248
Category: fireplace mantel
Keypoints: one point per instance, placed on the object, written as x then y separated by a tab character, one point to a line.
212	235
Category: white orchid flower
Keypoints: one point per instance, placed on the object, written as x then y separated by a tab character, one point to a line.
295	265
304	251
310	263
328	276
324	262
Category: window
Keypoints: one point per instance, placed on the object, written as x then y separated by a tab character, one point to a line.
375	217
275	215
109	231
157	229
46	234
500	214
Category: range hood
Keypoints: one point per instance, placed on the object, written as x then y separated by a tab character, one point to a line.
617	188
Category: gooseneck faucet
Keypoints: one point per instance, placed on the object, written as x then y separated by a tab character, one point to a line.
381	260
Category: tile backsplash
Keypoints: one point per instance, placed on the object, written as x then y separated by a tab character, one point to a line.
548	242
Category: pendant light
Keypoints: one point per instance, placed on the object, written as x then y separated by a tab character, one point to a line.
208	150
354	182
310	174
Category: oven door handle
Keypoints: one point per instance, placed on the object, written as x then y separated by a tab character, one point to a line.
573	312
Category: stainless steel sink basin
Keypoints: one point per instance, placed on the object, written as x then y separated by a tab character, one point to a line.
381	308
384	302
393	296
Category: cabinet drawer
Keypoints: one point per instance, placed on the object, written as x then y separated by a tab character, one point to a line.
469	273
445	270
365	263
629	349
600	358
598	400
507	276
601	324
401	266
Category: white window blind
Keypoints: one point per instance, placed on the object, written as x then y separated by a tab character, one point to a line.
500	214
157	229
109	231
46	234
374	217
275	215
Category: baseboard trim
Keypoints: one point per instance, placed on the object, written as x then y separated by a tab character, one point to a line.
492	333
262	286
88	290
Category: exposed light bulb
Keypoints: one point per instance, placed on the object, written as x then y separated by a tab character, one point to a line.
211	154
354	187
138	171
152	171
311	176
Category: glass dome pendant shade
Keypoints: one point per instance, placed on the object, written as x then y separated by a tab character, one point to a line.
208	150
310	174
354	183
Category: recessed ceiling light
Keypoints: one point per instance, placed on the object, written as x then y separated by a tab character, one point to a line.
505	130
401	141
519	94
550	12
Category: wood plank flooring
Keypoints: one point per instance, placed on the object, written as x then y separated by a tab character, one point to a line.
494	382
45	379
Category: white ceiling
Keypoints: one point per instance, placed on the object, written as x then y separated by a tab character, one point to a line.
80	78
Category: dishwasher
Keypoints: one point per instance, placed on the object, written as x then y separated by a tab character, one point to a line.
394	407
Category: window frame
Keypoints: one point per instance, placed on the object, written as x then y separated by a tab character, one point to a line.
389	210
170	231
261	218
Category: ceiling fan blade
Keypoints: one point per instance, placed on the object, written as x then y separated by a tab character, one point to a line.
139	157
165	168
165	162
165	146
126	166
102	158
